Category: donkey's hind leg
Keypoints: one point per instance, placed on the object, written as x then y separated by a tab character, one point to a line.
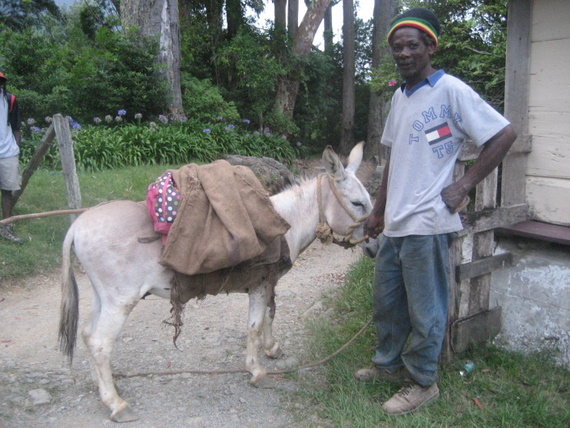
270	345
105	326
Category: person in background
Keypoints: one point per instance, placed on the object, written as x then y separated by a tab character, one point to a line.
10	138
417	207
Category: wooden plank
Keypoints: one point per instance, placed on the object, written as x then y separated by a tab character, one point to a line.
551	155
549	200
34	162
550	20
65	144
490	219
483	243
483	266
537	230
519	20
548	62
455	258
478	328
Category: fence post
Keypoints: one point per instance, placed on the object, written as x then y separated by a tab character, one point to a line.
37	157
65	144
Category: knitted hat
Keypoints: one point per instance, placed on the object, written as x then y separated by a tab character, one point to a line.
420	18
2	76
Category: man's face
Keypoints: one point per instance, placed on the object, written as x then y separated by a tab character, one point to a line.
412	55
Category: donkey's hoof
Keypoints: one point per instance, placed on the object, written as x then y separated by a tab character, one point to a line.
265	383
275	352
126	414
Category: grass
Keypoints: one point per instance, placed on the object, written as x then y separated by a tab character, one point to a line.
513	390
45	192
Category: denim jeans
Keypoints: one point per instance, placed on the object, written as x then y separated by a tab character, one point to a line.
410	303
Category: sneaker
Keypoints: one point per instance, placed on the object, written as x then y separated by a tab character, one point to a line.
373	374
409	398
7	232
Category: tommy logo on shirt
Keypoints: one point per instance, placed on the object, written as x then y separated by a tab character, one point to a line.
438	133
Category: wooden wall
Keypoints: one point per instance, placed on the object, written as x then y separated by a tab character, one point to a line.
548	164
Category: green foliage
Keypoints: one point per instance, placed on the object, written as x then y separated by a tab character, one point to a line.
18	14
513	389
249	73
126	144
202	101
64	71
318	107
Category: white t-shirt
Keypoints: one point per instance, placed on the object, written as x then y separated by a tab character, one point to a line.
8	145
425	132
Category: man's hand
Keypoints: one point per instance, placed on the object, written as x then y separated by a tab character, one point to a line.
374	225
455	198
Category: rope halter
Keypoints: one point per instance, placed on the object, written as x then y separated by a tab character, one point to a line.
324	231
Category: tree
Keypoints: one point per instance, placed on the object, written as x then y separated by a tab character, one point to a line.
280	12
384	10
293	17
348	100
288	88
328	31
18	14
159	19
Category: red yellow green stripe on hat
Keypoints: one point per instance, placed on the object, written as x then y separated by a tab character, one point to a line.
420	24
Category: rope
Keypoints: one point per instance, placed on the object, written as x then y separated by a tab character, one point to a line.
272	372
38	215
324	231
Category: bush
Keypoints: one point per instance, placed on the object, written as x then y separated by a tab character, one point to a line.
150	143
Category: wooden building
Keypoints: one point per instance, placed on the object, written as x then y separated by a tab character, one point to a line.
534	185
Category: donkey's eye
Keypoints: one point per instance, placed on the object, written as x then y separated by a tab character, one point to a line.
358	204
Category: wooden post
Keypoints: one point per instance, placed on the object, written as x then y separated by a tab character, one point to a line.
517	75
37	157
65	144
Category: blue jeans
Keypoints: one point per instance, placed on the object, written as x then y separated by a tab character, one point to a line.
410	302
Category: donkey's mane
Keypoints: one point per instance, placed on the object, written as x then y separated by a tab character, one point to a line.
297	181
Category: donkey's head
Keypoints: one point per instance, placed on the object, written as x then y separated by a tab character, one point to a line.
344	201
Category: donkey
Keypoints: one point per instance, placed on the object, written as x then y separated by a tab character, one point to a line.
122	270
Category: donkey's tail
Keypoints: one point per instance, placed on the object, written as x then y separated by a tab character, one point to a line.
69	310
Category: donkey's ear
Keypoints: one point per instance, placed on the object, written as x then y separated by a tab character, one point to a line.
333	165
355	157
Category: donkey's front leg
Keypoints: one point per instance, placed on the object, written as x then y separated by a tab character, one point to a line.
257	308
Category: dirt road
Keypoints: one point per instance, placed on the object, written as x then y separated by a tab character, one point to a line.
37	389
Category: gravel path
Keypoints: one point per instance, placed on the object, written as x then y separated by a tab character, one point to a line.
37	389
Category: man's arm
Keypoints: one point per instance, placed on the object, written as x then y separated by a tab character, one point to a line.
491	156
375	222
17	136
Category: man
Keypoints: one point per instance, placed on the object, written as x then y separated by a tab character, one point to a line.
417	205
10	138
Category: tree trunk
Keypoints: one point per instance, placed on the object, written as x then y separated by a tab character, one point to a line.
293	18
384	11
159	19
280	10
348	103
328	31
288	88
234	15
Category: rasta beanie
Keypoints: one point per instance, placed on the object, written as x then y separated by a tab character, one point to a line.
420	18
